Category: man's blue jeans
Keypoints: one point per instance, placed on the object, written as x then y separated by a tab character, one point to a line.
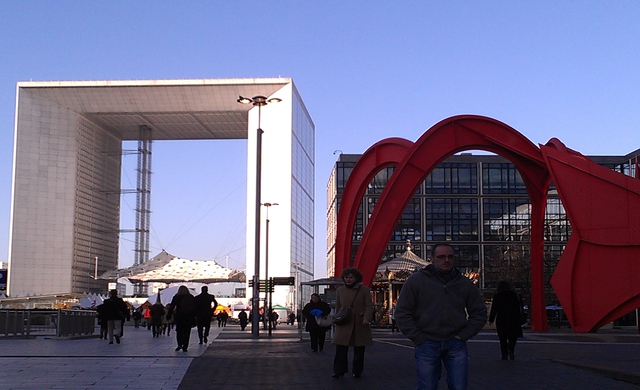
429	356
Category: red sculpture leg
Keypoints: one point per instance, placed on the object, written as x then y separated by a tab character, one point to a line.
596	277
388	152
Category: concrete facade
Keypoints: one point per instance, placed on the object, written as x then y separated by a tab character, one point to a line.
65	205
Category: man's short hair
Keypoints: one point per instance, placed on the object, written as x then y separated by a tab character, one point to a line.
433	251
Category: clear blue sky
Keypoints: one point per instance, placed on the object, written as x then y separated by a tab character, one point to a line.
367	70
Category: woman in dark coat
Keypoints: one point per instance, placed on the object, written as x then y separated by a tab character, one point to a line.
506	310
157	315
184	307
356	331
316	332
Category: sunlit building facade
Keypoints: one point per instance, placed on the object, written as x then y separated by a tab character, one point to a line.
65	204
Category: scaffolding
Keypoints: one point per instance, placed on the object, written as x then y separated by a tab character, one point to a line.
143	200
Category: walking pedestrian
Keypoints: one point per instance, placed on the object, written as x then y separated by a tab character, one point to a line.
356	332
115	310
506	310
222	318
157	314
243	318
102	321
183	311
205	304
316	308
392	314
439	309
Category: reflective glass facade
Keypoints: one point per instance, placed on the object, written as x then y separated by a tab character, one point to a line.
302	191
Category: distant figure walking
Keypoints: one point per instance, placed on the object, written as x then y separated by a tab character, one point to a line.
183	310
157	314
316	308
137	318
392	314
243	318
167	322
273	317
102	321
506	310
291	319
115	310
205	304
222	319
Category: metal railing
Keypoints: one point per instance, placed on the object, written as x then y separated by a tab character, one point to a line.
55	323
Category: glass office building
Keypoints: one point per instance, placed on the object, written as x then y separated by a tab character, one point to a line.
477	203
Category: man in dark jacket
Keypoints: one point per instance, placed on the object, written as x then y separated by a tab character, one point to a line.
439	309
115	310
204	302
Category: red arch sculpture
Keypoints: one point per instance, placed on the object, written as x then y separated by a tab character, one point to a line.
450	136
383	154
595	234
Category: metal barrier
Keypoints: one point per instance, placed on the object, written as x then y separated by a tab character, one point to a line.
55	323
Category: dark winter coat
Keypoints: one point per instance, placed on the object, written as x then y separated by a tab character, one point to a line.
311	324
505	310
354	333
203	304
114	308
157	314
243	318
429	309
183	310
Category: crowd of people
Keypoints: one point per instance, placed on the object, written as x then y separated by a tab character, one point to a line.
439	310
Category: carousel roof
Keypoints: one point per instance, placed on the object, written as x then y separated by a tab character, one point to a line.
168	268
408	262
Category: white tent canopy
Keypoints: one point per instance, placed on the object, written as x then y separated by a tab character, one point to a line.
166	295
167	268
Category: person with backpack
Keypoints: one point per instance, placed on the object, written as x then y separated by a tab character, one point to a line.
183	310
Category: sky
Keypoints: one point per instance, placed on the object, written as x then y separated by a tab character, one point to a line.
366	70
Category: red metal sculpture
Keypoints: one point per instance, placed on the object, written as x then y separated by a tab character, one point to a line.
596	278
383	154
572	279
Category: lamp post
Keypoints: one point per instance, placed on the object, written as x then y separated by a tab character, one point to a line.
297	295
266	265
257	101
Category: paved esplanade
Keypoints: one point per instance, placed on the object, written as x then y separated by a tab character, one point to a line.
553	360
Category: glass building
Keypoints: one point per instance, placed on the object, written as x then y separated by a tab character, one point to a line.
477	203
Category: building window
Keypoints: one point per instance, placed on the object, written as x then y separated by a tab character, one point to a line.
501	178
556	224
451	219
453	178
506	219
507	262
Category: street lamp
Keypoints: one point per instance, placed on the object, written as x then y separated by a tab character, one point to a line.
257	101
297	293
266	265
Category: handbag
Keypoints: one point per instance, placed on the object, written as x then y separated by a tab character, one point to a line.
324	321
342	316
523	315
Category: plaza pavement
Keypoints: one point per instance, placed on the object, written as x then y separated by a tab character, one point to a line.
559	359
